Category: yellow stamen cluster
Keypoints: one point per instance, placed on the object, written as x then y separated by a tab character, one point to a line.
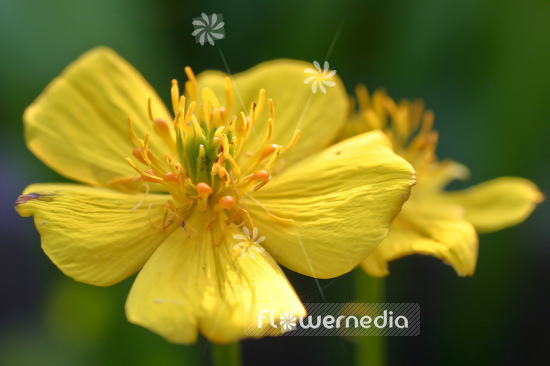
407	124
207	169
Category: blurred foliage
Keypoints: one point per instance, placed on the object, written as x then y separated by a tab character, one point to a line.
481	66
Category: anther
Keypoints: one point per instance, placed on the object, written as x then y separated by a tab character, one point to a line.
274	157
268	150
271	109
227	202
259	175
138	155
171	177
362	97
150	176
192	86
261	102
162	128
175	93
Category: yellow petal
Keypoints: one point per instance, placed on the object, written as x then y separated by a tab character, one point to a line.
79	125
498	203
429	229
342	201
92	234
191	284
437	176
320	117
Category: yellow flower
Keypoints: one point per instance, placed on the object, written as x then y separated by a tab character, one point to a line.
166	194
433	221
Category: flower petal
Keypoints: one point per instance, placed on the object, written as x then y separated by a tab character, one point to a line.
191	284
283	81
437	176
498	203
92	234
78	126
432	231
342	202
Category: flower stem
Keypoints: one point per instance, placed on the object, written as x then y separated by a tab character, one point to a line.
372	349
226	355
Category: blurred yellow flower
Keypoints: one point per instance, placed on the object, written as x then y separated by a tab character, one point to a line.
166	194
434	221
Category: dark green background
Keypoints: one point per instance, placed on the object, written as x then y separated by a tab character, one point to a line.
482	66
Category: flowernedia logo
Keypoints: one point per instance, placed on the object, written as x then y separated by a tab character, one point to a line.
340	319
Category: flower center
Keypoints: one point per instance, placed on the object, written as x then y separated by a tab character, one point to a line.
207	168
407	124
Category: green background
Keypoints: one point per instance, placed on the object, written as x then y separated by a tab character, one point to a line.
482	66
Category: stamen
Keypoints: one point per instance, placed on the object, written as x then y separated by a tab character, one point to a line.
373	120
203	190
138	155
261	102
150	109
124	180
143	198
274	157
286	221
294	140
219	132
191	86
271	108
190	111
268	150
227	202
262	175
362	97
207	148
133	137
149	176
427	121
227	155
171	177
162	128
175	93
228	94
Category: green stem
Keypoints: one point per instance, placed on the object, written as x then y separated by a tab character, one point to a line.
226	355
371	350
